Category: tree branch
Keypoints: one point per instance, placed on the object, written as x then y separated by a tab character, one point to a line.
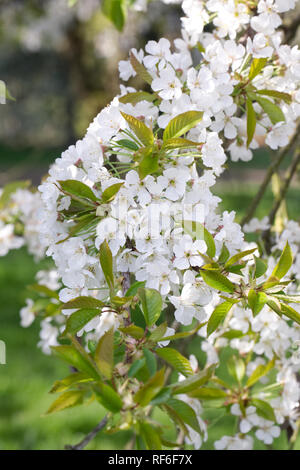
82	444
271	170
287	181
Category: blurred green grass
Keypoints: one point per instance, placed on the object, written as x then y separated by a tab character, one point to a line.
28	375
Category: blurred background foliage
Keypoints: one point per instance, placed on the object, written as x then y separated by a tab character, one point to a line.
61	65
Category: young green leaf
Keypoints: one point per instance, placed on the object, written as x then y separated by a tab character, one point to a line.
106	262
263	409
140	70
132	330
216	280
284	263
208	393
272	110
260	267
290	312
256	300
78	189
218	316
176	360
259	372
74	358
286	97
79	319
108	398
234	259
148	163
151	304
179	143
236	368
83	302
143	133
67	400
150	361
104	355
185	412
194	382
148	391
256	67
110	193
150	436
181	124
251	121
137	96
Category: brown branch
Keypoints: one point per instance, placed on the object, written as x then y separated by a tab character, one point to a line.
271	170
281	196
90	436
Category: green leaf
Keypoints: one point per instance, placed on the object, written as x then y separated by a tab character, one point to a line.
216	280
208	393
148	163
44	290
79	319
116	11
158	333
251	121
260	267
194	382
286	97
259	372
178	143
144	134
104	355
137	96
69	381
256	301
85	222
132	330
272	110
11	188
290	312
145	394
198	231
134	288
185	412
176	360
236	367
162	397
234	259
151	304
67	400
140	70
256	67
77	188
128	144
231	334
263	409
295	299
218	316
181	124
284	263
106	262
74	358
224	255
150	436
150	361
83	302
136	366
110	193
108	398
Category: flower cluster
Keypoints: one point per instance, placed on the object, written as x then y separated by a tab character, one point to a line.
135	193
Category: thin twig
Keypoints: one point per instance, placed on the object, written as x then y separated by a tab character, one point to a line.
90	436
271	170
287	181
